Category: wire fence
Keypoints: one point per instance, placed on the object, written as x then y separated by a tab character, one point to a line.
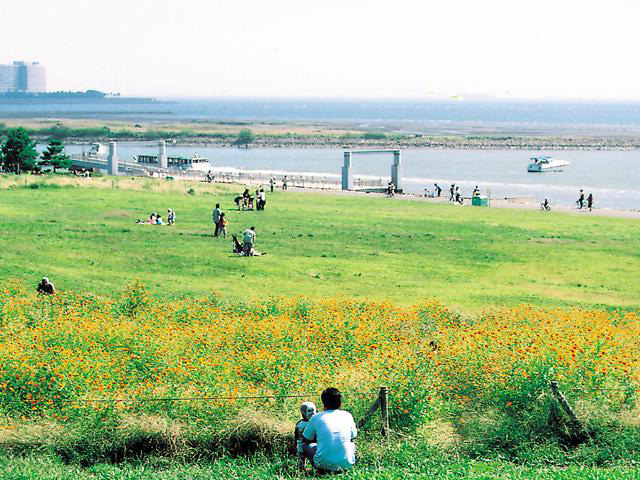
299	180
210	398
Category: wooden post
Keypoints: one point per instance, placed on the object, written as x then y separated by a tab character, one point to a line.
384	409
575	423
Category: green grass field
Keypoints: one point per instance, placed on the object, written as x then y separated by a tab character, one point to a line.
82	234
319	245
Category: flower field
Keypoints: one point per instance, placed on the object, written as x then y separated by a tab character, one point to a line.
63	356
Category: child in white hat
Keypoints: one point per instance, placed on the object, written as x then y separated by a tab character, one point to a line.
308	410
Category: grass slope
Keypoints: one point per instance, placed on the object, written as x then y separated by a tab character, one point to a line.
318	245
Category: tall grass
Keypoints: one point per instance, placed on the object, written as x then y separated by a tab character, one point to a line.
108	374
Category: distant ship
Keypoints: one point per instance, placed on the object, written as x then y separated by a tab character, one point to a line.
546	164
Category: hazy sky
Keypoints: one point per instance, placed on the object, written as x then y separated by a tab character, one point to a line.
331	48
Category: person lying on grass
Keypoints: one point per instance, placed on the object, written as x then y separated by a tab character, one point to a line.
328	439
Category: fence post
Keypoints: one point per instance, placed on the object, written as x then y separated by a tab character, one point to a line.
575	423
384	409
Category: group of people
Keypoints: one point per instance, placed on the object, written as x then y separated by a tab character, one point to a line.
391	190
156	218
219	221
580	203
246	201
436	191
326	438
247	247
454	194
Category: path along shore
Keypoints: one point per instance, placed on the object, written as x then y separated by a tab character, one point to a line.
495	203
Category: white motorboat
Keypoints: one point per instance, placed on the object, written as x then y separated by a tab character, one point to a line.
97	150
546	164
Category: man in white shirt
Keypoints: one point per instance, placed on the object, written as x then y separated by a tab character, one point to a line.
333	432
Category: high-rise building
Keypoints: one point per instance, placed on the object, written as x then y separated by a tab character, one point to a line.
23	77
8	78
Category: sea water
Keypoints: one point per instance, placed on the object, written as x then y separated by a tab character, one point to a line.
613	177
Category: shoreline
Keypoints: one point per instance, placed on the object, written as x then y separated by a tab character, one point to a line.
503	203
78	131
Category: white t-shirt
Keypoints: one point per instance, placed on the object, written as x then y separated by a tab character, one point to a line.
334	430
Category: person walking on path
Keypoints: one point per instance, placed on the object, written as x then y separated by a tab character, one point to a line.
452	194
580	201
284	182
590	201
46	287
328	439
457	196
438	189
249	240
216	219
391	190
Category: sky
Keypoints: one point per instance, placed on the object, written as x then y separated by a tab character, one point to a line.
393	49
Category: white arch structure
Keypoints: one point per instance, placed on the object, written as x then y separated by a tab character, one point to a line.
347	171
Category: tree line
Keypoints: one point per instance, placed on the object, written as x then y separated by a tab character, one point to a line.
18	153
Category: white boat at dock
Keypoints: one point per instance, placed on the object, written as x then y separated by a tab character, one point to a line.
546	164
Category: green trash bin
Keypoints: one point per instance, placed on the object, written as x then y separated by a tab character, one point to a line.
480	201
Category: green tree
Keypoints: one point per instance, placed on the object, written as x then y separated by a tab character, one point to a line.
19	152
245	137
54	155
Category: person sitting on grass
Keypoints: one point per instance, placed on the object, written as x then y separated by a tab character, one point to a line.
307	410
45	287
333	432
159	220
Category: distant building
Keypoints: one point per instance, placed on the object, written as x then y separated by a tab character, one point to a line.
23	77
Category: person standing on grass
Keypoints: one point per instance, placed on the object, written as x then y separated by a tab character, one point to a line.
272	183
438	189
328	439
590	201
284	182
216	219
262	199
222	225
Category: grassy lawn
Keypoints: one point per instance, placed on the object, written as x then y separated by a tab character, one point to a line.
82	234
318	245
405	463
